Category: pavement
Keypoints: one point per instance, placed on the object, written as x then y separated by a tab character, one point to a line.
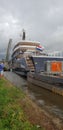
15	79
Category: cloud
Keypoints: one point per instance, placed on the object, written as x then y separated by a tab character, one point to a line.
42	21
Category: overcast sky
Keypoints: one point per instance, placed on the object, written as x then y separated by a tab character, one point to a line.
41	19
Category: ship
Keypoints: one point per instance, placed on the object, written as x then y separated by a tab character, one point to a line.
22	56
30	56
30	59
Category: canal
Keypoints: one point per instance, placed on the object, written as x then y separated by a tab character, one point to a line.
47	100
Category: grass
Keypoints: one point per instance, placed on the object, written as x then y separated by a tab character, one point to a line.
12	116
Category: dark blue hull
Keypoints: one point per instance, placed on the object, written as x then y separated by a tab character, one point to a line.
21	72
39	63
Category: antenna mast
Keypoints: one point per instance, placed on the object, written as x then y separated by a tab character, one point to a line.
24	36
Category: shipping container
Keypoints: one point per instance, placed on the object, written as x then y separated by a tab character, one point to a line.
54	66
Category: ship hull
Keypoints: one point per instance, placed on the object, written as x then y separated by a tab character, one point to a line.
38	63
21	71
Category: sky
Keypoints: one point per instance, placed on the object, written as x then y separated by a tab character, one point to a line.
41	19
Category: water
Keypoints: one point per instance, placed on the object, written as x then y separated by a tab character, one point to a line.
47	100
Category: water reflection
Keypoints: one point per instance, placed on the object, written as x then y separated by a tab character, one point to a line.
51	102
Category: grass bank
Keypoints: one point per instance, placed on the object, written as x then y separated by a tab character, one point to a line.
12	114
19	112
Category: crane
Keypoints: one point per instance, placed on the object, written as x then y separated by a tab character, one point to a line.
8	50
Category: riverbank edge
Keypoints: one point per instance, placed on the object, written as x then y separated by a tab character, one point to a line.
36	115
